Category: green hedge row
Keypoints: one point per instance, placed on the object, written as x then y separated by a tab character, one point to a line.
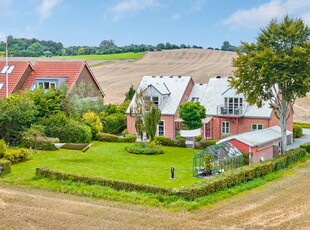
43	143
306	146
113	138
117	185
241	175
17	155
6	166
202	144
165	141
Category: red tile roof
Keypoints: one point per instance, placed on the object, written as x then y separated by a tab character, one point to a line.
52	69
14	77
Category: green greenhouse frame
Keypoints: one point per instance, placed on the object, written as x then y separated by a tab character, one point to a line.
216	159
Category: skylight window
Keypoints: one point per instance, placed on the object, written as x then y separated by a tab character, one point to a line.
7	69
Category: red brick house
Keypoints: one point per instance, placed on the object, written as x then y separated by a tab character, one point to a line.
51	74
46	74
227	112
262	144
18	73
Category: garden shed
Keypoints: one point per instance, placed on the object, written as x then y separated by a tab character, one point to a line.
216	159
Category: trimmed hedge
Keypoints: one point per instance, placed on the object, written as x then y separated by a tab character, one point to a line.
117	185
166	141
204	143
18	155
306	146
113	138
241	175
297	131
137	149
6	166
43	143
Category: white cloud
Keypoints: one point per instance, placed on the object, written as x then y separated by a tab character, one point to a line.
261	15
132	6
46	8
198	5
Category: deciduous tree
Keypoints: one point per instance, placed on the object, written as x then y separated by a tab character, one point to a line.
276	68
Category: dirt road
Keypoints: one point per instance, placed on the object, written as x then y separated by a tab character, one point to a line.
282	204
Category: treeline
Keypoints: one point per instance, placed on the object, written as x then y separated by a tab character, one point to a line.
23	47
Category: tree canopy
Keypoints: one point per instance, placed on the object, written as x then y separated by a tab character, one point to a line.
192	113
276	68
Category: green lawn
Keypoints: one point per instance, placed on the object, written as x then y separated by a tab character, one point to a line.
108	57
111	161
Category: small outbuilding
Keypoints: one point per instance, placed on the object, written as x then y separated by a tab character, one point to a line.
262	144
216	159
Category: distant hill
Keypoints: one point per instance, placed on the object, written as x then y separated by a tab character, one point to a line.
115	78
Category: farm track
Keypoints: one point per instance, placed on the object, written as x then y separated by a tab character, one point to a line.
116	77
282	204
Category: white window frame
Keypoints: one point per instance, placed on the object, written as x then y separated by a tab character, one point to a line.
195	99
256	126
1	84
225	127
163	127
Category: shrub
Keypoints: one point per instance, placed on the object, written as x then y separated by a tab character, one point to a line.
198	138
114	123
151	149
66	129
108	137
129	138
93	121
43	143
6	166
246	158
205	143
297	131
165	141
3	148
18	155
306	146
240	175
117	185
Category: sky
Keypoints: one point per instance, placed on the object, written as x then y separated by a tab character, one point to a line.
206	23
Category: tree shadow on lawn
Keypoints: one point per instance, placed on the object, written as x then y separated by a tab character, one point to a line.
75	160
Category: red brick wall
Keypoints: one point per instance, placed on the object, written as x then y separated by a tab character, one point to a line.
241	146
267	153
131	124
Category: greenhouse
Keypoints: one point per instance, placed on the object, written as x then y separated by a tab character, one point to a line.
216	159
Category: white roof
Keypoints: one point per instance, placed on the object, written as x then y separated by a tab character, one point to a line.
258	137
218	88
173	86
198	91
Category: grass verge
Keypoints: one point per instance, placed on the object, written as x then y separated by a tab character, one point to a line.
302	125
172	203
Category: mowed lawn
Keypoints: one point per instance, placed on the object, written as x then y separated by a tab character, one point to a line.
111	161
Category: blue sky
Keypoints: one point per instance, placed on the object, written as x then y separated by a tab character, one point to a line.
205	23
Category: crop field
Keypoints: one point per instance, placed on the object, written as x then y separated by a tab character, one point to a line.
108	57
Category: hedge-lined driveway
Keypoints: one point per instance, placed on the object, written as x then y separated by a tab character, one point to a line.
299	141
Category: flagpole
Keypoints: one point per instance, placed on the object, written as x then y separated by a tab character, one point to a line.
7	74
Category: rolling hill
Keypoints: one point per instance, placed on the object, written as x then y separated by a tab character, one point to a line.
116	77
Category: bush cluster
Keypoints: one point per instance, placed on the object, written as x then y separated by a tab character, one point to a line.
3	148
18	155
297	131
148	150
117	185
306	146
107	137
6	166
43	143
241	175
166	141
202	144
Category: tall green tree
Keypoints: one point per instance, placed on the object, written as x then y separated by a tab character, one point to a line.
276	68
192	113
131	92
